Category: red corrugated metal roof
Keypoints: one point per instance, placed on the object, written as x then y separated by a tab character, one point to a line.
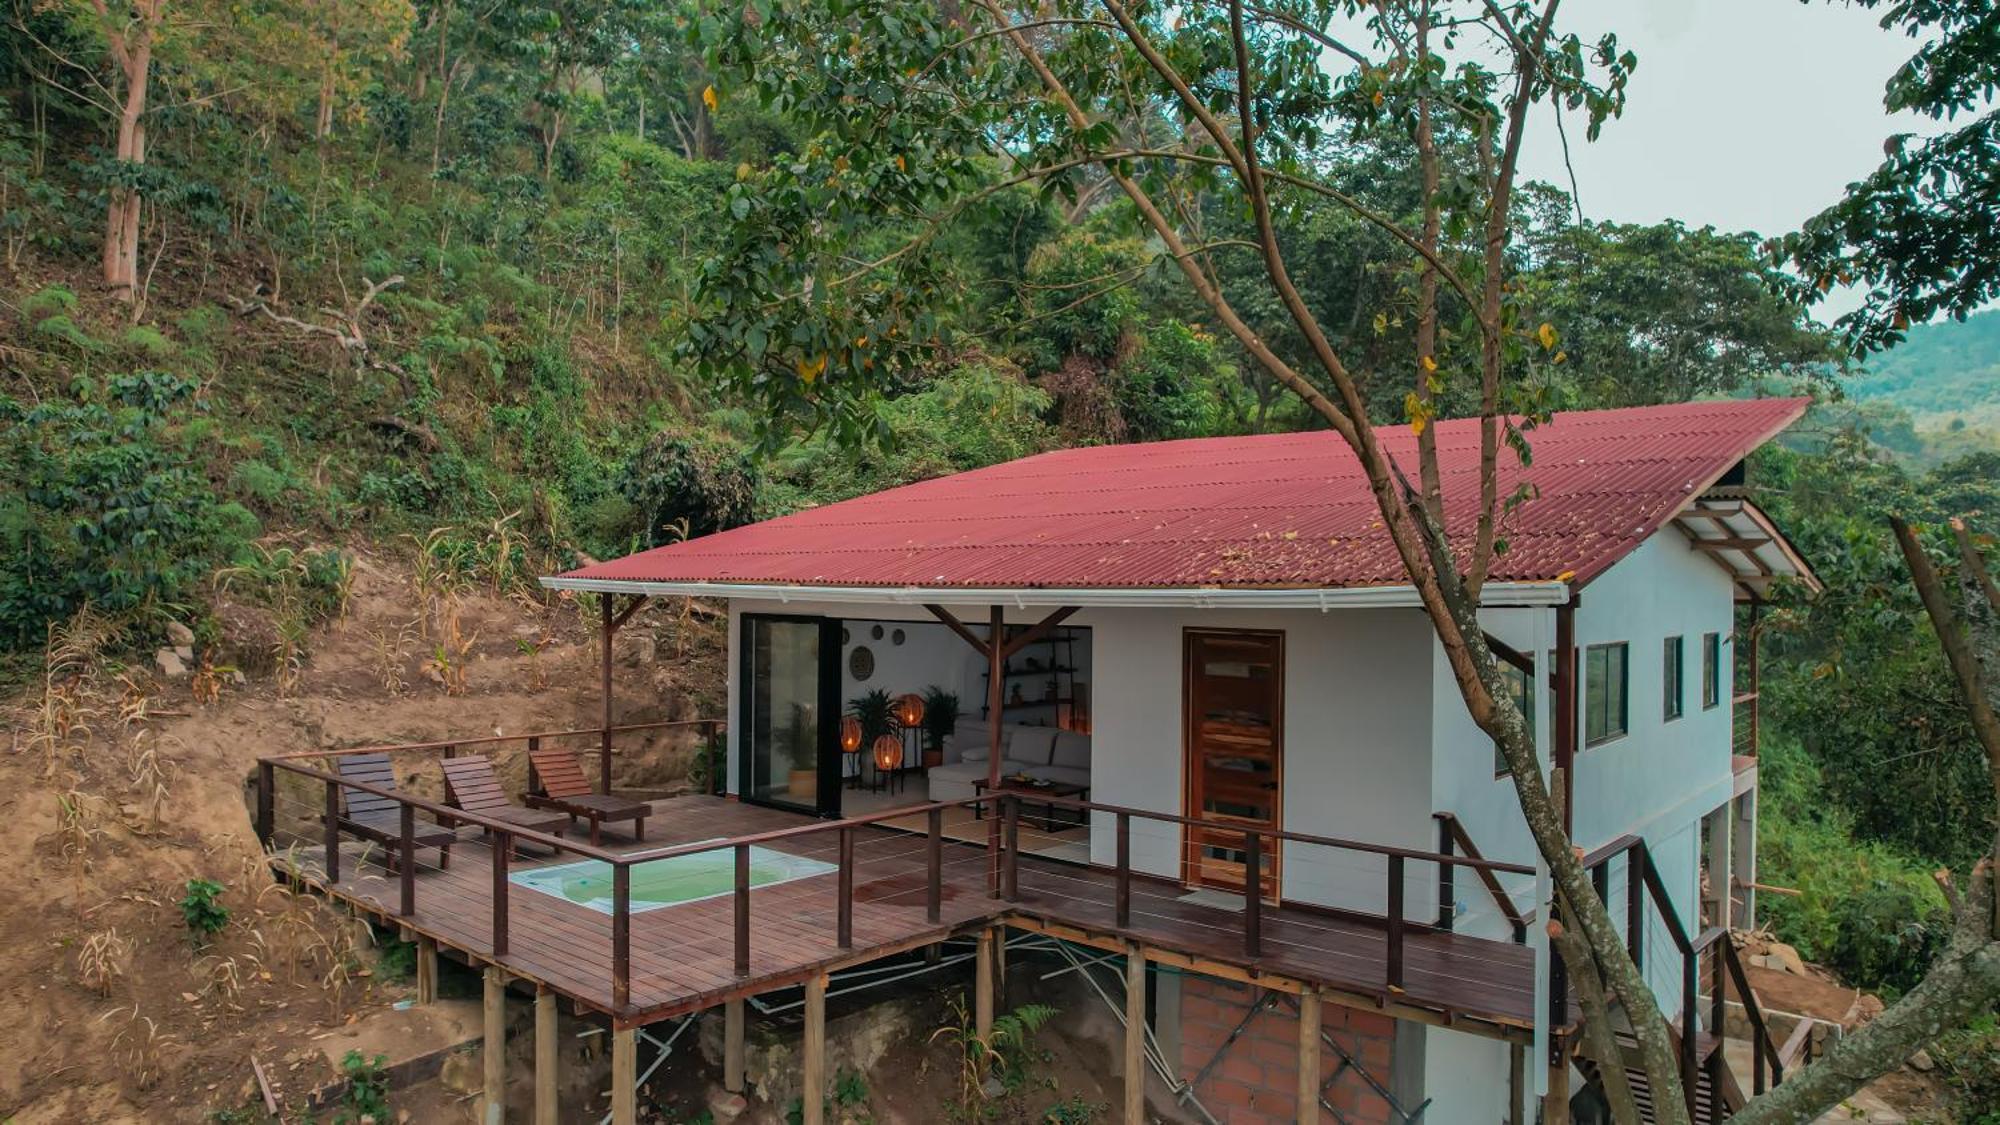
1281	510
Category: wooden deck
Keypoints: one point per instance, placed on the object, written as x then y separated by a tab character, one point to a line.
683	955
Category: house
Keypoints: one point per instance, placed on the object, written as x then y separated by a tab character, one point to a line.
1237	645
1204	728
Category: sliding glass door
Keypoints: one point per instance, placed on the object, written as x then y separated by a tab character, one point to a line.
790	701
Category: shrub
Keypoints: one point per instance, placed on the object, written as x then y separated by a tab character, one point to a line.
102	502
1864	909
688	484
205	917
367	1096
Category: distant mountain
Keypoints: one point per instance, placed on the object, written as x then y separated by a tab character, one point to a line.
1944	372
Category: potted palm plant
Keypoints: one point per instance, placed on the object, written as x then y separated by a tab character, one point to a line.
940	718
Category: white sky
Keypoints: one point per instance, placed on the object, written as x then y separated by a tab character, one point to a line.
1743	114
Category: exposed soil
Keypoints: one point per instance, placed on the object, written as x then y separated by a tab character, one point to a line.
120	787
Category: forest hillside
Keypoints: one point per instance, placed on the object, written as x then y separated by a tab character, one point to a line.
325	328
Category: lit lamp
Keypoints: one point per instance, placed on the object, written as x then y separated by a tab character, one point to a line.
888	755
910	710
850	745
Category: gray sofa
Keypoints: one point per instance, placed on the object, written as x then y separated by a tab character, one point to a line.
1043	752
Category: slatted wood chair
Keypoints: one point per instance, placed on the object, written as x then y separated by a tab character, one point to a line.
566	790
379	818
471	784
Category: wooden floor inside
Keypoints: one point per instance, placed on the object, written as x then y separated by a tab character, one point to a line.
683	954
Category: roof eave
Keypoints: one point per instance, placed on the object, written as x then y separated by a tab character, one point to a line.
1495	595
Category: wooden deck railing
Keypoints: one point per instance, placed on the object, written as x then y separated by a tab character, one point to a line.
1002	870
1643	885
1396	859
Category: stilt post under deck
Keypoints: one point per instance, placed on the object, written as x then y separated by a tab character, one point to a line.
1309	1021
493	1048
982	987
546	1054
814	1068
1135	1036
732	1045
1555	1103
624	1076
427	970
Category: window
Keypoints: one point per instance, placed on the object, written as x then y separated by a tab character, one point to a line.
1604	682
1518	686
1711	670
1670	680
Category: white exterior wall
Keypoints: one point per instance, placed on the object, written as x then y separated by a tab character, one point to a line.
1377	739
1357	741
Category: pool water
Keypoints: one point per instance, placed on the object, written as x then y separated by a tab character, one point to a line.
667	882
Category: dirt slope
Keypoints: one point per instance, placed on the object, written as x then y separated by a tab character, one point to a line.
119	787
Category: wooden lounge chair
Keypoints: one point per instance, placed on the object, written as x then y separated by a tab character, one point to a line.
566	790
471	784
379	818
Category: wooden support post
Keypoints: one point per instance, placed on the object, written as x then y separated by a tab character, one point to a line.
996	706
814	1063
427	970
1555	1103
1517	1083
493	1049
267	801
1135	1036
624	1076
610	628
732	1045
332	827
1309	1023
546	1053
982	986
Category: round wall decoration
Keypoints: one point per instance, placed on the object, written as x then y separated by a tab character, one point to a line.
861	664
876	632
896	637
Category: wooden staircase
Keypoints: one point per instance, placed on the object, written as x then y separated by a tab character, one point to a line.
1716	1092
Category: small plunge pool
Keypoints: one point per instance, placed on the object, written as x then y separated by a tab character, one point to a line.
667	882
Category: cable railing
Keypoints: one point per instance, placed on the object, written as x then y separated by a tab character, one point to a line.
877	848
1642	884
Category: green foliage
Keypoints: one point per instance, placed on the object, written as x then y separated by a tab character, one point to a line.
1866	910
204	915
877	711
1074	1110
1969	1062
1078	296
367	1097
1944	371
1855	674
685	484
940	715
1664	313
1922	232
972	416
1174	385
103	503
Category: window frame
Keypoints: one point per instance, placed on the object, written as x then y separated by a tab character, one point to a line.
1711	671
1524	698
1673	678
1589	677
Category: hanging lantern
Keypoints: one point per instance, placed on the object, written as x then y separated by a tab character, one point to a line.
850	734
910	710
888	753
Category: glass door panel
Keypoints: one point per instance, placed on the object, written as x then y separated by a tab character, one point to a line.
784	688
1235	753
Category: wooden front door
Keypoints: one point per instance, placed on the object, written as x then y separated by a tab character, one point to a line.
1235	739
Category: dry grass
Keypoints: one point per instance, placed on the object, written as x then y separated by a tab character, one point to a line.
140	1046
101	959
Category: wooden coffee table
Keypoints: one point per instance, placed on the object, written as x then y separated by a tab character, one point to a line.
1029	790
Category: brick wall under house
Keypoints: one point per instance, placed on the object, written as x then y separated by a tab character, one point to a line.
1256	1078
